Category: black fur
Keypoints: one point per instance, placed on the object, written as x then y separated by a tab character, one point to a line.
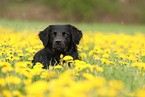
57	39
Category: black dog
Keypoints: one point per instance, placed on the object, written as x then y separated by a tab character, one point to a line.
57	39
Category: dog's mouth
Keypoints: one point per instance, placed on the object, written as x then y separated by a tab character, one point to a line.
59	48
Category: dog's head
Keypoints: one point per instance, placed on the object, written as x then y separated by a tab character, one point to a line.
60	37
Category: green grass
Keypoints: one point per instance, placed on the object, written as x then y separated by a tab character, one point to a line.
99	27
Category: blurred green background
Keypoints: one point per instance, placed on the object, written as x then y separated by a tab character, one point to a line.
106	11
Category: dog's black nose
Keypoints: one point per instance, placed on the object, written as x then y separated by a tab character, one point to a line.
58	42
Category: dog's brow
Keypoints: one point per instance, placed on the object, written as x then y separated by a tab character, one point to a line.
54	30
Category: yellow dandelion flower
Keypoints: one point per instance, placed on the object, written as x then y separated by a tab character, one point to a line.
98	81
138	64
27	81
38	65
6	69
105	61
58	67
20	54
100	69
20	64
106	56
37	88
140	93
44	74
13	80
15	58
2	82
96	57
88	76
6	93
68	58
16	93
27	74
113	63
5	64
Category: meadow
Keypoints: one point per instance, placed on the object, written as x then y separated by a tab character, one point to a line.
112	62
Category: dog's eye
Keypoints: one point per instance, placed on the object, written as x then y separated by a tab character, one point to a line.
54	34
64	34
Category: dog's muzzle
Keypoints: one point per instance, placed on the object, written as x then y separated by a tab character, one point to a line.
59	46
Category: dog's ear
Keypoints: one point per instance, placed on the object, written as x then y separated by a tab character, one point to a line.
76	34
44	35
